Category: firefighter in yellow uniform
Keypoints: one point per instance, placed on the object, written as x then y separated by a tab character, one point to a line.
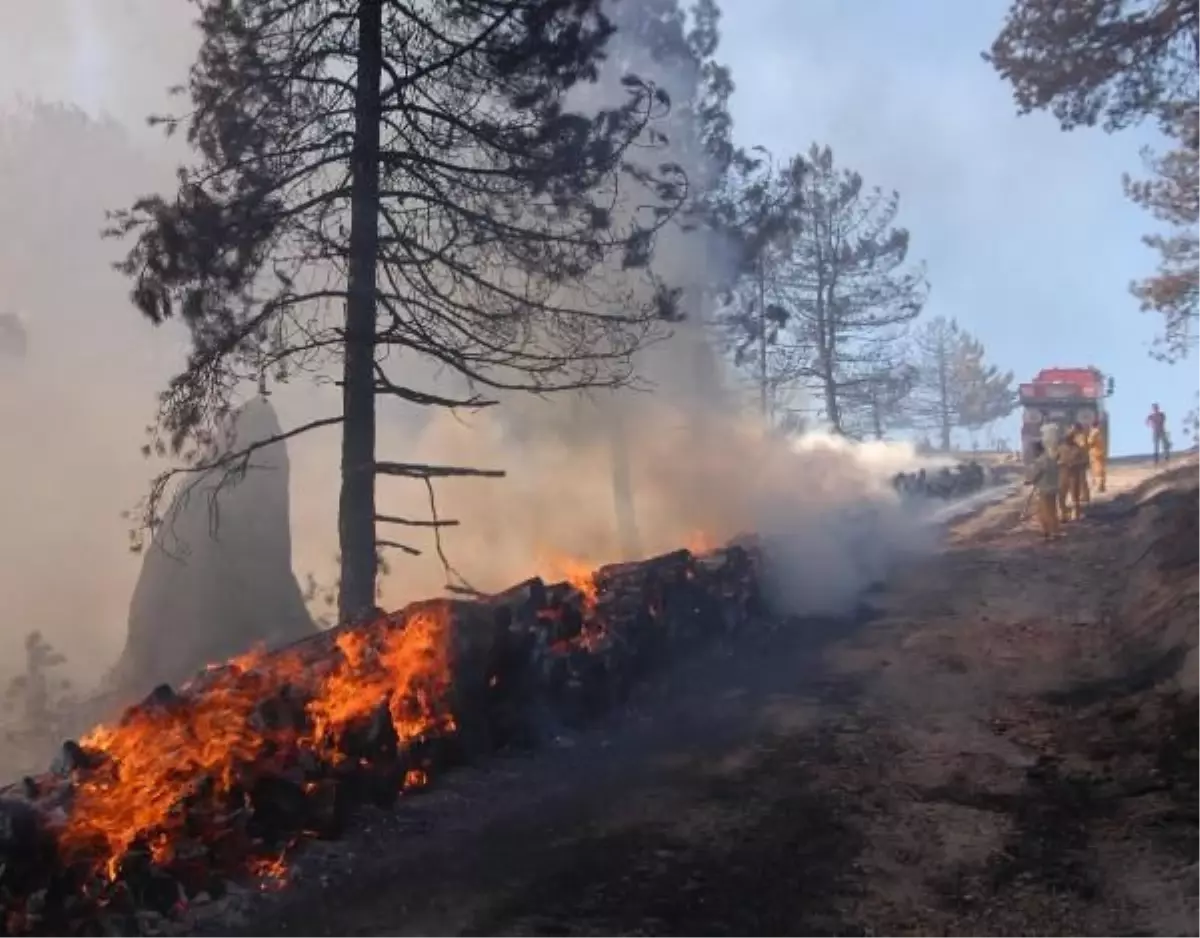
1072	465
1080	438
1097	448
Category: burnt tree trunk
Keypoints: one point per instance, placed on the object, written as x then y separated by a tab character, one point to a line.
833	407
356	507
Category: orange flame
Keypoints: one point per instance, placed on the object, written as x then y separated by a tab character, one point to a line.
199	746
271	872
578	574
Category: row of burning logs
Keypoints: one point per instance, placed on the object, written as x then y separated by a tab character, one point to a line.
191	789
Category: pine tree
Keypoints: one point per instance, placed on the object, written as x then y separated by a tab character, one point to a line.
955	387
847	285
374	180
755	214
1118	63
1114	62
1172	196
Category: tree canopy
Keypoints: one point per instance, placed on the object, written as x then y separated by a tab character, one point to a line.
376	180
1172	195
849	286
754	214
955	387
1114	62
1118	63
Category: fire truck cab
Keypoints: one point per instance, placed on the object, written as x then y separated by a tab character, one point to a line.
1062	396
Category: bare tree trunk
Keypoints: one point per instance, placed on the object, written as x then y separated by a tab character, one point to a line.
356	507
833	410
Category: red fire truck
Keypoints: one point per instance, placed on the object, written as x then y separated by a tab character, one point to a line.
1063	396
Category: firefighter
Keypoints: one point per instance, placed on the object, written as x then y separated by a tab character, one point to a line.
1097	448
1157	422
1079	438
1071	460
1044	477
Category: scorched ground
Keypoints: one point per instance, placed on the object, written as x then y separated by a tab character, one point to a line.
1004	742
1001	741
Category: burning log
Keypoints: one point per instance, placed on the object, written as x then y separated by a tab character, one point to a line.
223	776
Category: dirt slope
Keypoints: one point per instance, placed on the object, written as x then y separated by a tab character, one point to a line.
1005	744
1037	711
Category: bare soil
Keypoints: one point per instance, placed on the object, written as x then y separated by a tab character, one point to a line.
1004	741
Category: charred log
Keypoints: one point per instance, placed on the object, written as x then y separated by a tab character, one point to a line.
362	714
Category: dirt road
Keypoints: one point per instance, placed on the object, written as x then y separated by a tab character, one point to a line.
1003	742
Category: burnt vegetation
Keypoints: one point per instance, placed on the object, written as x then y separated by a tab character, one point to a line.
954	388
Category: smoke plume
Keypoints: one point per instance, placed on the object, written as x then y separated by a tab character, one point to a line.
679	461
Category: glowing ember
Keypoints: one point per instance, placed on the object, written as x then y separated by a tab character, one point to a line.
271	872
416	778
700	542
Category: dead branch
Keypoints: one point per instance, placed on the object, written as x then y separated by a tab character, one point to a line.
412	551
437	543
385	385
233	465
407	470
415	523
465	591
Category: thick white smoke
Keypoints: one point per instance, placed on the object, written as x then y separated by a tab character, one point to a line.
609	475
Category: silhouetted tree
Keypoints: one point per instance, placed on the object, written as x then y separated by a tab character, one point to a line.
846	284
880	401
955	387
37	702
755	214
374	179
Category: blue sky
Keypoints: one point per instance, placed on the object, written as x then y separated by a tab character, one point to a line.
1029	240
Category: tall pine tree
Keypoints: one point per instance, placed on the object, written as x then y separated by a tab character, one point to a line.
374	179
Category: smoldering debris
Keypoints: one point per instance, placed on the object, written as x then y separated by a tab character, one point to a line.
220	781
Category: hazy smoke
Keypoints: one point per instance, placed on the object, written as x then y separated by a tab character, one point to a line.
683	460
72	413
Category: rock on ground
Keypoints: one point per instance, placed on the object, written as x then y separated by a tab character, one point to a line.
213	585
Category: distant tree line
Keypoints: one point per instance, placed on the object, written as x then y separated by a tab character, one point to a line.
824	302
821	300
